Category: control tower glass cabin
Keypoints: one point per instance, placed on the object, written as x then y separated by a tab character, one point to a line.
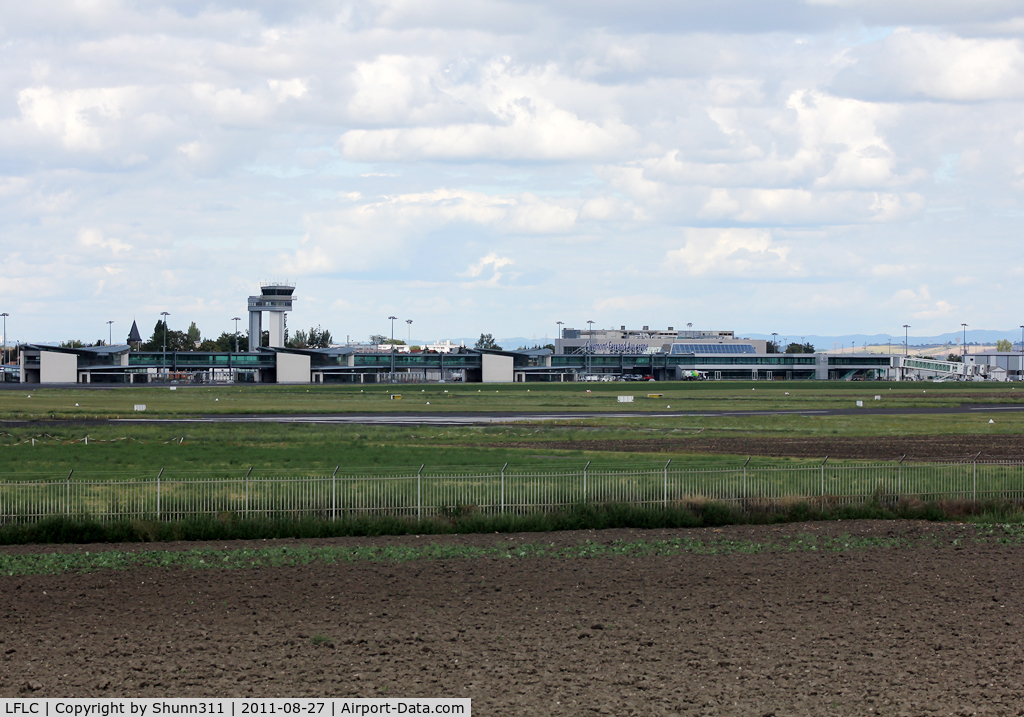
275	299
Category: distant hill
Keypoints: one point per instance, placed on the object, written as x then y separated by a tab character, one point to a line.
825	343
822	343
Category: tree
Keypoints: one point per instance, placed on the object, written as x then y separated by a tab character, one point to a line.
320	338
1004	345
954	358
71	344
226	342
536	347
486	341
795	348
315	338
193	335
176	340
378	339
772	347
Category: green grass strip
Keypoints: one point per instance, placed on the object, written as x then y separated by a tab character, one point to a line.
272	557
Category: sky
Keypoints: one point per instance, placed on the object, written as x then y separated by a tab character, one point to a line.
797	166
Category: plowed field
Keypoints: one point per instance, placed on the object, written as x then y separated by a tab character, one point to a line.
932	627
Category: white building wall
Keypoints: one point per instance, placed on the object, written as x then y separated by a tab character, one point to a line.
55	367
496	369
275	324
293	368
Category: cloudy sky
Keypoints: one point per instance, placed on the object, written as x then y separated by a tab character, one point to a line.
799	166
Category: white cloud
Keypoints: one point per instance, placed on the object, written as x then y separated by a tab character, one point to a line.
392	149
93	239
921	304
369	233
81	120
916	64
730	252
522	116
493	262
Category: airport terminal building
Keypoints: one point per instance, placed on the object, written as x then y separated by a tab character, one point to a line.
579	355
119	364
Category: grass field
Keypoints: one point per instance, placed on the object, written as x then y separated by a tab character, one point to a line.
227	449
35	403
47	437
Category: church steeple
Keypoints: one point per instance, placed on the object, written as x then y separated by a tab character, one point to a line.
134	339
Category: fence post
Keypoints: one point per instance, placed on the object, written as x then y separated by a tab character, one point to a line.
334	493
745	492
158	493
67	494
899	478
585	481
419	492
503	486
247	491
823	482
975	490
664	493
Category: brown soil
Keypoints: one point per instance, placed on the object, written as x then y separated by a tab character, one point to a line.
853	447
931	629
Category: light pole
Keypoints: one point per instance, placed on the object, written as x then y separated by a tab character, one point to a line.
5	315
558	331
163	358
775	341
110	333
409	322
965	343
906	339
392	348
1019	373
590	344
236	319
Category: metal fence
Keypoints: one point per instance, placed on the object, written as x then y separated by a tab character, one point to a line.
424	493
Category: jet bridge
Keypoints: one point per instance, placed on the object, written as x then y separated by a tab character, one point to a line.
914	367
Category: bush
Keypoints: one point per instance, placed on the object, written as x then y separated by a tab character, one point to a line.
580	517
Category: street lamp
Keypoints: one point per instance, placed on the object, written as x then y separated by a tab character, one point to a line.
163	358
590	344
236	319
409	321
5	315
110	333
775	341
392	348
965	342
906	339
558	332
1020	373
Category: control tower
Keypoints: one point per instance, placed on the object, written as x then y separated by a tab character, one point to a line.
276	299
